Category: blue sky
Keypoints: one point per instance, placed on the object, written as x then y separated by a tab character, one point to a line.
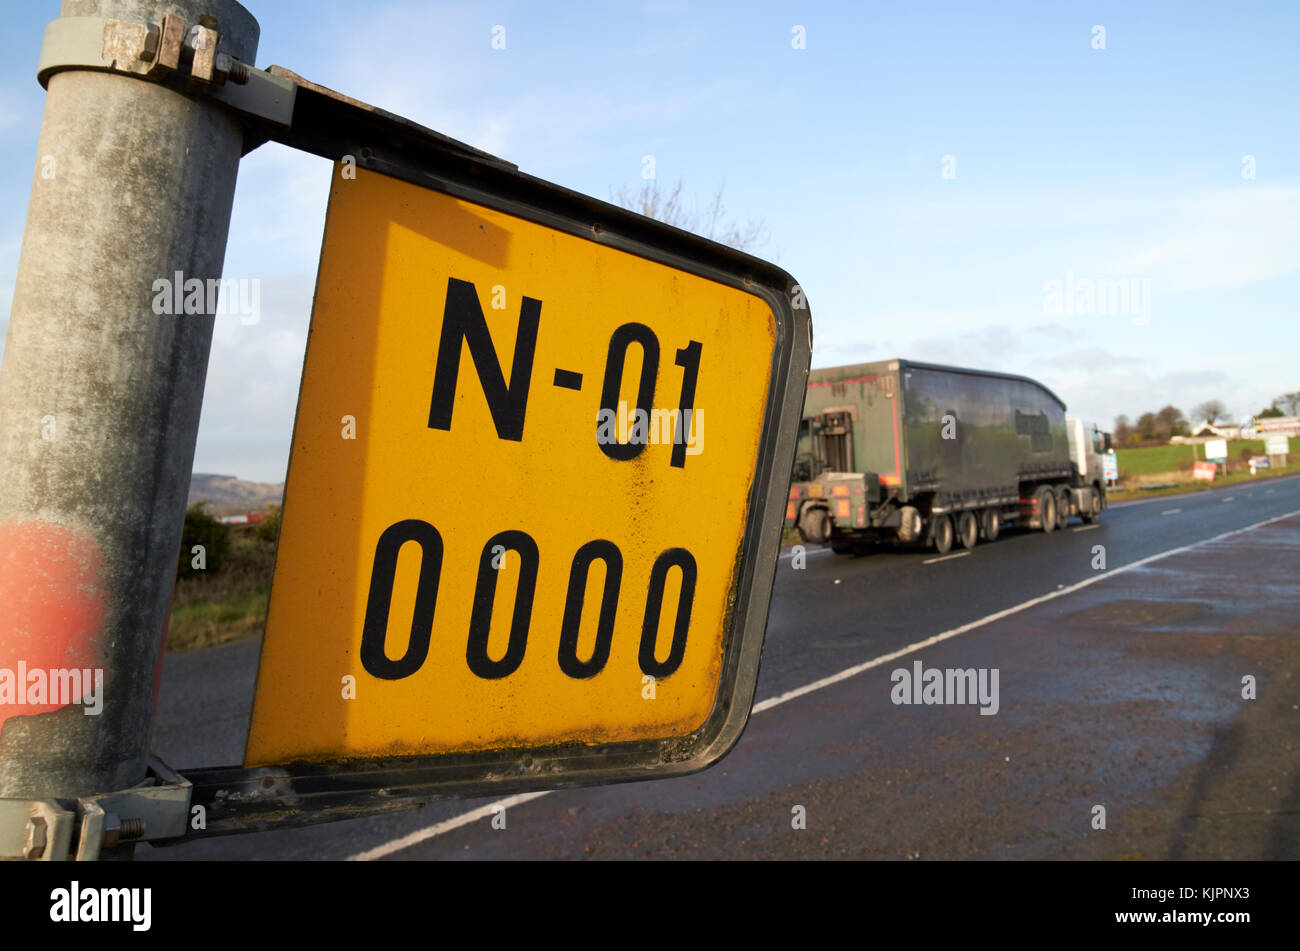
1115	164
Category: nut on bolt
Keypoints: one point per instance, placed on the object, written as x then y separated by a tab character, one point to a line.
132	829
117	829
227	67
112	831
150	48
34	838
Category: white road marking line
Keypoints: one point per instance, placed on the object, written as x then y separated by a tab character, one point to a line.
931	561
1269	491
1129	502
807	551
483	812
997	616
464	819
1086	528
1171	512
1228	499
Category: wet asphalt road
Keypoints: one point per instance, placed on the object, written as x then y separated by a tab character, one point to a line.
882	780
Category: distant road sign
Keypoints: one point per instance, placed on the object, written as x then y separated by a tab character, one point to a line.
1216	450
1110	467
1204	470
534	501
1277	445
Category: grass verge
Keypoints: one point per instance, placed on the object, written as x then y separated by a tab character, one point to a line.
225	605
1185	486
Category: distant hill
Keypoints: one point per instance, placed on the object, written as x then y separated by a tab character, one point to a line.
228	495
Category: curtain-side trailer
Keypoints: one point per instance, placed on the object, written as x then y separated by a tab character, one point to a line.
920	453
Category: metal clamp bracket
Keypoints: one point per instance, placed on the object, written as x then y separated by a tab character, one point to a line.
49	830
167	53
193	64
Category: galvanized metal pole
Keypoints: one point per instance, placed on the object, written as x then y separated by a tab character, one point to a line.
100	397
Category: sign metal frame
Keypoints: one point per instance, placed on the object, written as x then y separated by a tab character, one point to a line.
239	799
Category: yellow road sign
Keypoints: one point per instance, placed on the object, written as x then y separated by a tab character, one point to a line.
528	491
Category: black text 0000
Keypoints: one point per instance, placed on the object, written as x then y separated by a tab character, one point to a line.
374	629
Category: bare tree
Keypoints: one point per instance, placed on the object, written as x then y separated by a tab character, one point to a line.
1171	422
1123	429
1146	426
1211	411
1289	402
668	206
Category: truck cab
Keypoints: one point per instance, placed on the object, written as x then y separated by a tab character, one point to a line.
1088	449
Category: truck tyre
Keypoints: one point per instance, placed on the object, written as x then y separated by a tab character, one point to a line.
1093	509
1046	509
910	524
1063	508
942	537
815	525
1093	514
968	530
992	524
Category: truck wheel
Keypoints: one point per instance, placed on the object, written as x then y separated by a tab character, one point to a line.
1093	515
910	524
815	526
968	530
1063	508
992	525
942	534
1046	509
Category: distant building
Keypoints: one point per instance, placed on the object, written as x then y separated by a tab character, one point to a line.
1277	425
1268	426
1210	431
243	519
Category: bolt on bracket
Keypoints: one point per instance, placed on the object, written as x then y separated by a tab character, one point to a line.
188	61
49	830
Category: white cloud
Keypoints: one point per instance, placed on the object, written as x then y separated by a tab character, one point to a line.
252	386
1183	241
1220	239
279	211
1101	391
254	369
1091	358
456	83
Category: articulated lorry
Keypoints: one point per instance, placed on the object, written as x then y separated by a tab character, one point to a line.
915	453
